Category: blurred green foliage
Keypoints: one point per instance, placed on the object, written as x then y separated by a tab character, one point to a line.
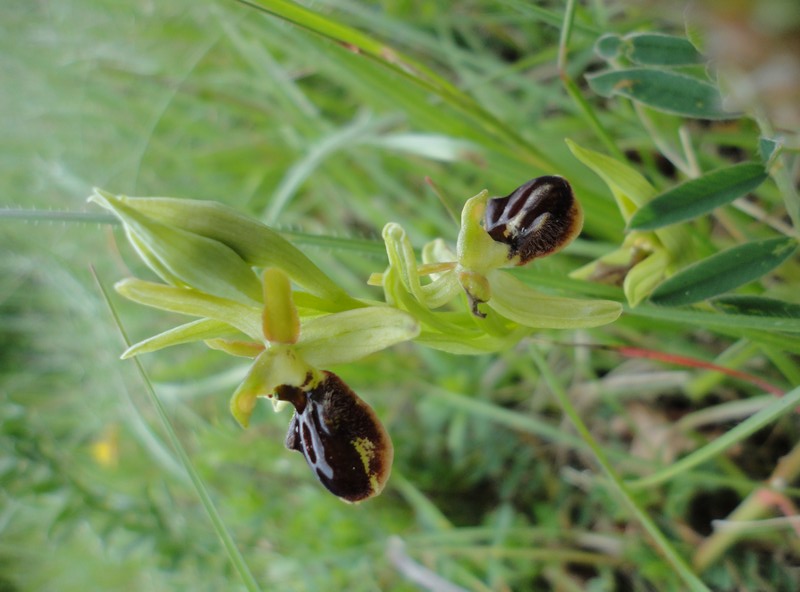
492	489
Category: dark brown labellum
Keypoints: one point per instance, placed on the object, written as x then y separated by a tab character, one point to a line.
340	437
536	219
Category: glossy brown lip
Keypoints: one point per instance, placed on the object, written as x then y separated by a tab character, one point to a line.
341	438
536	219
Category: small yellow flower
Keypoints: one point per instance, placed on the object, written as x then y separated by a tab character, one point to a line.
105	450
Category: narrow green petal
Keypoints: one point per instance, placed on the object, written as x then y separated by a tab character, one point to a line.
437	251
245	318
630	189
236	347
198	330
402	258
441	291
279	316
517	301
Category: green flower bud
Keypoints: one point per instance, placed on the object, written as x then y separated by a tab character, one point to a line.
183	258
254	243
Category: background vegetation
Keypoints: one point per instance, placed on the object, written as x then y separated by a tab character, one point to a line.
327	137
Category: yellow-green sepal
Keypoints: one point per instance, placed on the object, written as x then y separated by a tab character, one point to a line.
522	304
629	188
643	277
243	317
199	330
350	335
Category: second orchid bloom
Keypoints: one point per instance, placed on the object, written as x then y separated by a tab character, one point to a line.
537	219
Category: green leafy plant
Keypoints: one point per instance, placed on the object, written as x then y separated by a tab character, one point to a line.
618	415
206	254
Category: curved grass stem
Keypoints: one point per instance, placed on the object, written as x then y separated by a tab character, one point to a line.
236	558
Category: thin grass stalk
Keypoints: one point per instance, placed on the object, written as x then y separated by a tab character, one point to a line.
733	436
236	558
572	88
404	66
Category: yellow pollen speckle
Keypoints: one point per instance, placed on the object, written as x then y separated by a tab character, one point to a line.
366	450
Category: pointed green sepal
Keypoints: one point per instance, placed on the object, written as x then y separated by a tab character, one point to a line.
630	189
348	336
199	330
243	317
236	347
520	303
257	244
643	277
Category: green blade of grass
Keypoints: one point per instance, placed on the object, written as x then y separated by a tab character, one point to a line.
732	323
574	91
407	68
749	426
236	558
